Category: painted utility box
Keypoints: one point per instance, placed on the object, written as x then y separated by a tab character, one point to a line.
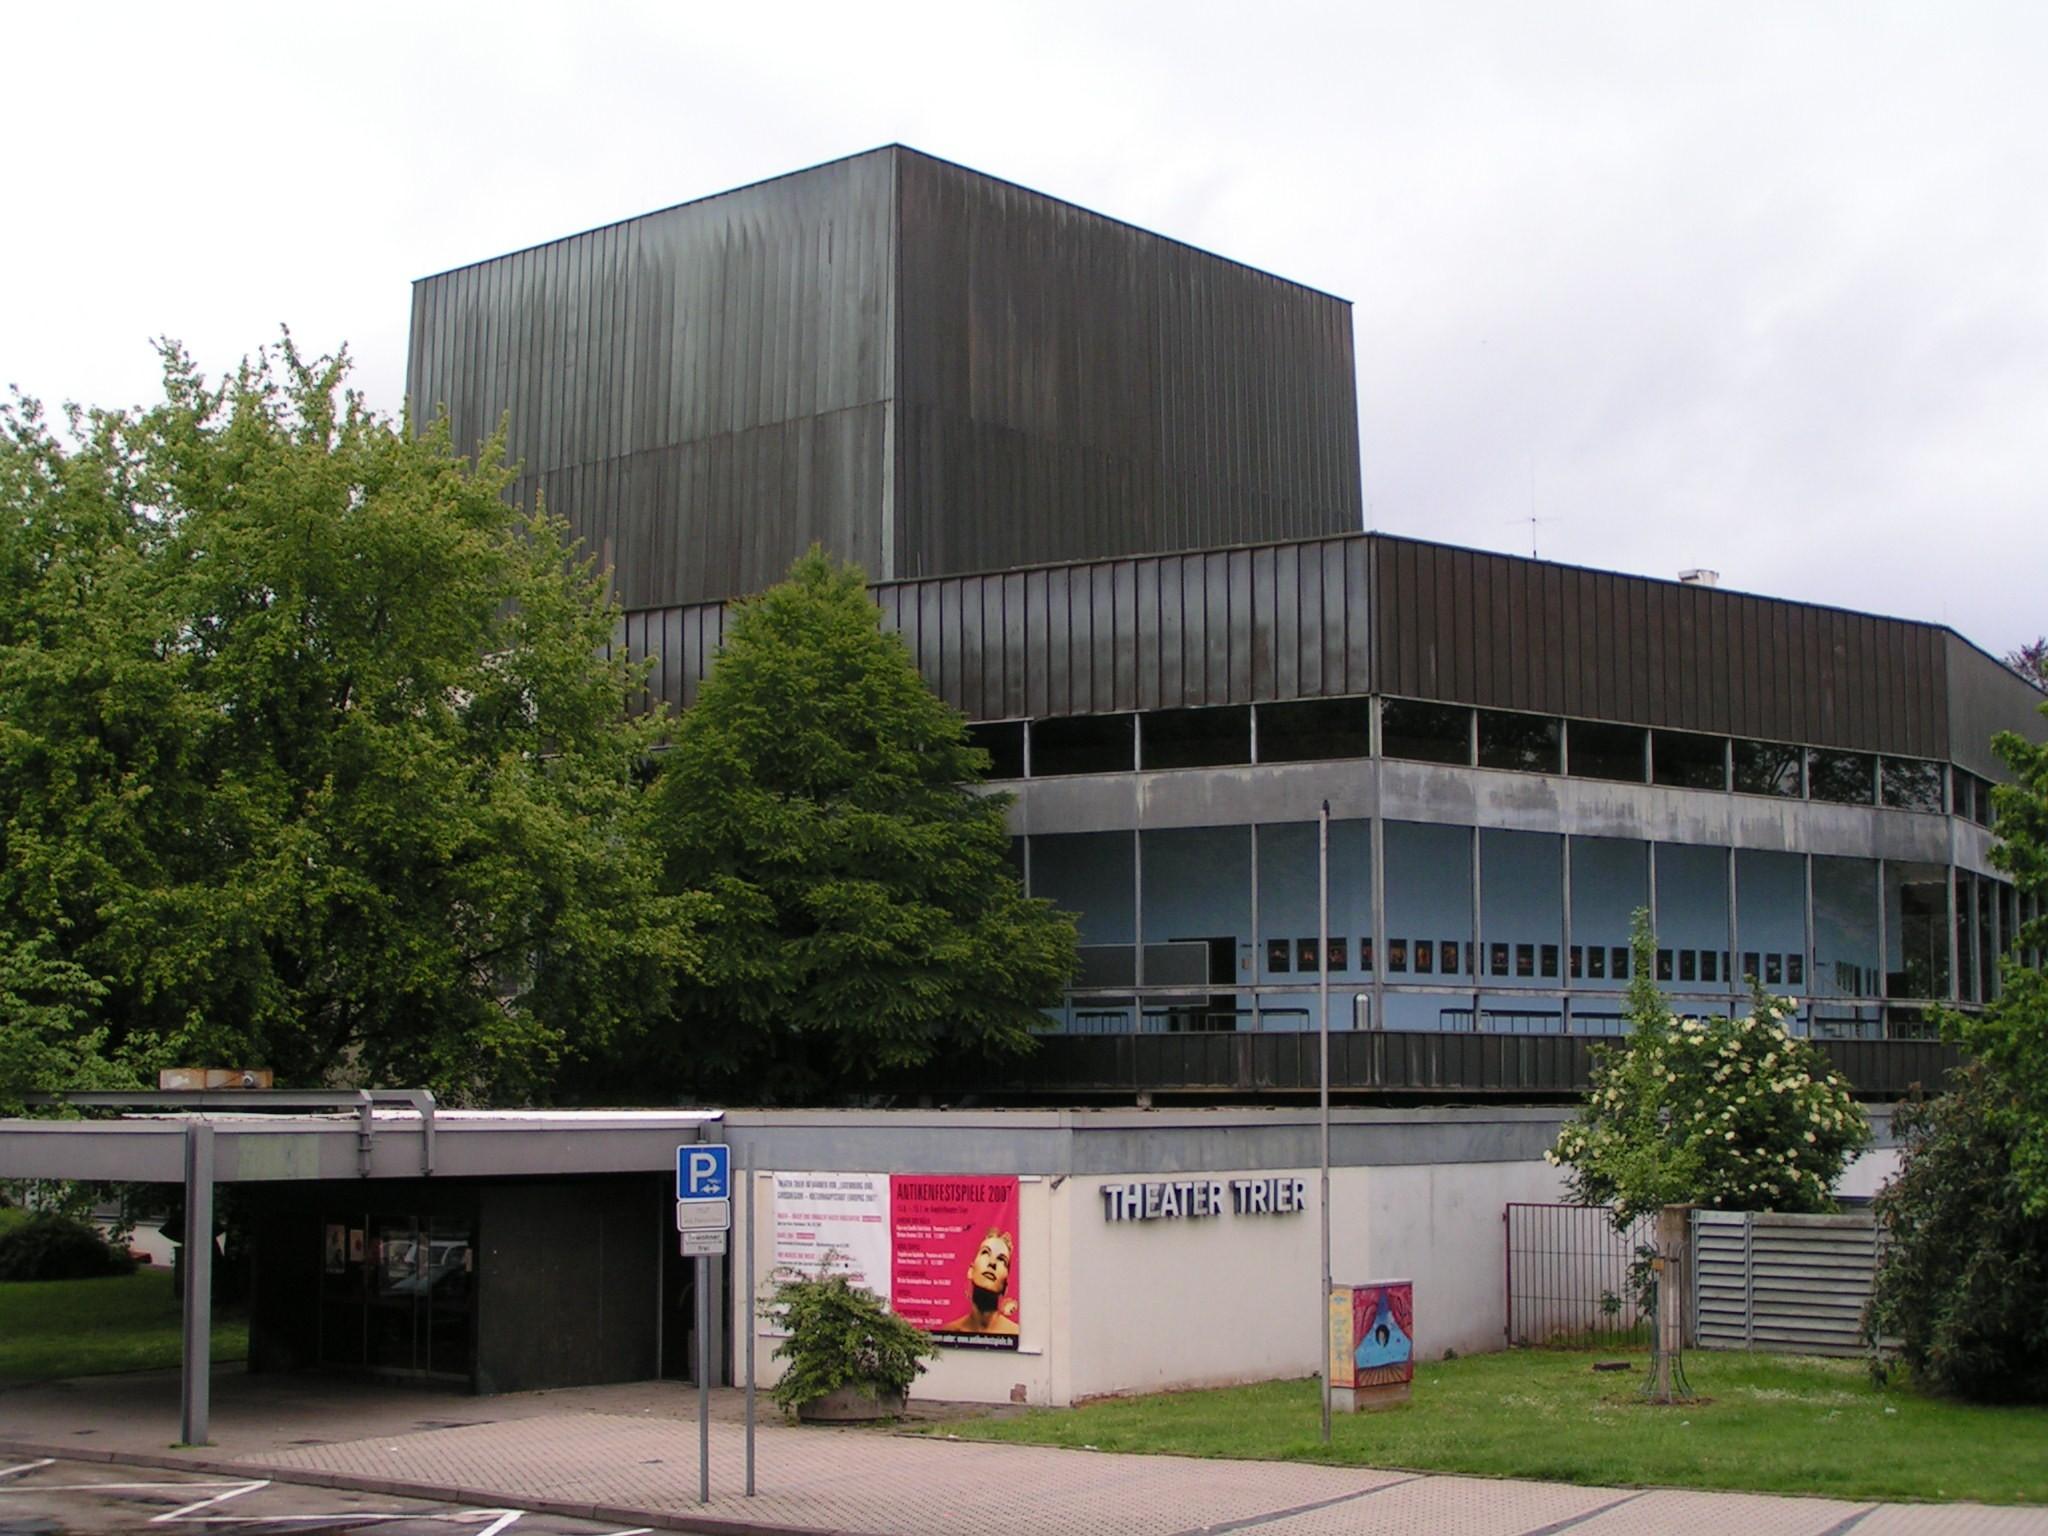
1372	1344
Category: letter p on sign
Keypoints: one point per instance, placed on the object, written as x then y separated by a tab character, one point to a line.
703	1172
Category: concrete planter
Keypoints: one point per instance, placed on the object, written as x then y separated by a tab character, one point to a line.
851	1405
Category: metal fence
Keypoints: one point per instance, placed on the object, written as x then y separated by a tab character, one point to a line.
1797	1283
1568	1275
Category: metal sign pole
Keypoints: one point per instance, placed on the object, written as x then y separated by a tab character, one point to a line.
703	1380
747	1172
1323	1091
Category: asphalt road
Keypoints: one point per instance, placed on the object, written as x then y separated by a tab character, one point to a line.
70	1498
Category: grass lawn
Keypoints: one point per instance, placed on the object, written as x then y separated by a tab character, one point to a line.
57	1328
1772	1424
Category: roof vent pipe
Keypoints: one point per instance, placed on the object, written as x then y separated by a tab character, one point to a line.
1700	576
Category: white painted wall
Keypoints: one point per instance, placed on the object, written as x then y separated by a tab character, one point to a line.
1438	1224
1175	1303
1869	1173
1143	1306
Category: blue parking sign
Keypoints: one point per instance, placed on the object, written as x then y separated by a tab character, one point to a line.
703	1172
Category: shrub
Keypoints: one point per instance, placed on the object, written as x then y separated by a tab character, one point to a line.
842	1336
1730	1113
53	1247
1963	1283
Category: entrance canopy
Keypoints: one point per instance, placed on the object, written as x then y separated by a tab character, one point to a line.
198	1140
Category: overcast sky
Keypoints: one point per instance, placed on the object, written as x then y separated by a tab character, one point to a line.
1760	287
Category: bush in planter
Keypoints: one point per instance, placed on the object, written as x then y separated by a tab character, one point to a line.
842	1336
53	1247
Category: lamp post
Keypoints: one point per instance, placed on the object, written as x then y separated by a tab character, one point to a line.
1323	1084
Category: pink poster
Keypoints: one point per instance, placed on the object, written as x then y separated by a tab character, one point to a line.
954	1266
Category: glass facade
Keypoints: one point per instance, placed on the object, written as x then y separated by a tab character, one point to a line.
1489	928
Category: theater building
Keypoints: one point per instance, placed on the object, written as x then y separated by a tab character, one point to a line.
1108	487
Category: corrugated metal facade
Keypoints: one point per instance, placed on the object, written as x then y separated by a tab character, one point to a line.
701	392
1225	626
1074	387
1507	633
919	367
1369	613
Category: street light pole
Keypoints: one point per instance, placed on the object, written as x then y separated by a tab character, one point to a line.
1323	1087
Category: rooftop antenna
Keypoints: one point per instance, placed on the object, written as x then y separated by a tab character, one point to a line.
1532	519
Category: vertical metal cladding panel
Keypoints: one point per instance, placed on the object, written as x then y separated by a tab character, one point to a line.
1503	632
1073	387
1980	697
739	342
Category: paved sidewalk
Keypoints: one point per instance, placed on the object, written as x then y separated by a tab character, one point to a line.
629	1454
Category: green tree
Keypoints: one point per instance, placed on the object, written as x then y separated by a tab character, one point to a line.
1731	1113
2011	1035
1963	1287
2031	661
861	916
312	752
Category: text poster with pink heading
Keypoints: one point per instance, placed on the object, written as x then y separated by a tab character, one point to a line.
955	1260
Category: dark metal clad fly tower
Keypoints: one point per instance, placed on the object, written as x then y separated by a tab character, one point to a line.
925	369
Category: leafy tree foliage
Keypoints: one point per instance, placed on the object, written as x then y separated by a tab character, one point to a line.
861	916
311	752
2031	661
1963	1286
2011	1035
1730	1113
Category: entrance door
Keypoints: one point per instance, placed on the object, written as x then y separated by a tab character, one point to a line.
395	1294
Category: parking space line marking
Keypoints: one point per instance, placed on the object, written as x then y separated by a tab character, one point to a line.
28	1466
234	1491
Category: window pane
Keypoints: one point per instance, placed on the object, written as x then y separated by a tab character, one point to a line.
1429	896
1081	744
1767	768
1427	733
1770	919
1916	930
1093	875
1610	880
1912	785
1196	912
1288	894
1600	751
1196	738
1845	928
1003	741
1521	905
1687	761
1314	730
1847	778
1526	743
1692	911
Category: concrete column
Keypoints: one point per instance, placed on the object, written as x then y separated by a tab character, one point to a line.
198	1301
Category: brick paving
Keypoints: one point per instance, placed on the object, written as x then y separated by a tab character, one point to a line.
630	1454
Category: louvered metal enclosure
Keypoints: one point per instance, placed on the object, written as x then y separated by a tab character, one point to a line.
1796	1284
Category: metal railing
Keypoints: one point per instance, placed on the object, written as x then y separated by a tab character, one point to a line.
1568	1276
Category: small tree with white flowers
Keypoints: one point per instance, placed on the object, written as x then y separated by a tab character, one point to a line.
1736	1114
